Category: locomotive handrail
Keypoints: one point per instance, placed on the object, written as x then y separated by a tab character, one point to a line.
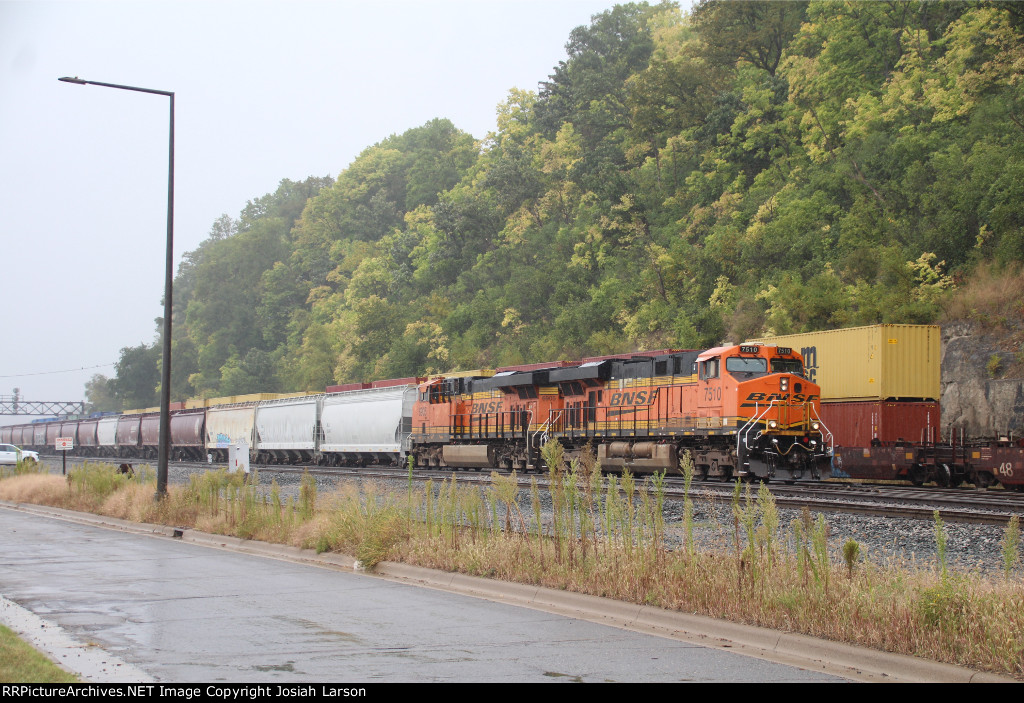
744	431
543	429
831	438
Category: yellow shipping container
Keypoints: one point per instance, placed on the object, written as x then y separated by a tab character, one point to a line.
485	373
297	394
880	362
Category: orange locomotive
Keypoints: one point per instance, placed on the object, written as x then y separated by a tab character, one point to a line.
739	411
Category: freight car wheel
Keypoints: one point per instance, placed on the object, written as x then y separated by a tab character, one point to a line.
918	474
943	476
984	479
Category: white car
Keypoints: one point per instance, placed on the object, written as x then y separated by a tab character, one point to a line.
11	455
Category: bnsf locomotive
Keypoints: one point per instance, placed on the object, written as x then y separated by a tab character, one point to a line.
739	411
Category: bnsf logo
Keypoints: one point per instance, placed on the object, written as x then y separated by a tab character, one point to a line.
781	397
638	398
493	406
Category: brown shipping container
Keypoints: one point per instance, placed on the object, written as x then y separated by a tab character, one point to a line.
857	424
392	382
880	362
345	387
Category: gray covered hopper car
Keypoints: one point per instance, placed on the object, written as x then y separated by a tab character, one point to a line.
366	426
286	430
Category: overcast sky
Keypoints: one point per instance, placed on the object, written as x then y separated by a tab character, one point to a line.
263	91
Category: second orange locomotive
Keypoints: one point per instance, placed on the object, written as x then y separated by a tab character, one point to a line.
743	411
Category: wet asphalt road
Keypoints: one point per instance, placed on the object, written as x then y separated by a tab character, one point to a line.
187	613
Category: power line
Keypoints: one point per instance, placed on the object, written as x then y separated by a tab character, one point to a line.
50	373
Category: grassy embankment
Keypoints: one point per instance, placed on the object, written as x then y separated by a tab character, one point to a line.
20	663
604	536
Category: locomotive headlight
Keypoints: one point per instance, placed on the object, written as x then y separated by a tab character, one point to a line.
784	384
773	424
815	426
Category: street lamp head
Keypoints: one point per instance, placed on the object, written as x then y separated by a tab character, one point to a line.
76	79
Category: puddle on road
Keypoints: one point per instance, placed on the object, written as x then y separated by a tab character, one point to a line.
571	677
288	666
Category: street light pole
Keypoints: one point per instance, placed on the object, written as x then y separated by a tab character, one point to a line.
165	382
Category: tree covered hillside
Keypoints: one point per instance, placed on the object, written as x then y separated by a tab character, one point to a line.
678	180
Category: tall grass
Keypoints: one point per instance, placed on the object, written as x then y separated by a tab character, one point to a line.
991	296
22	468
605	535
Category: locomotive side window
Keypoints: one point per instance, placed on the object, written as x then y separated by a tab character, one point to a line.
709	368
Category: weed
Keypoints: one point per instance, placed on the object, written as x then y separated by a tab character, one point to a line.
1011	545
851	553
945	606
940	543
686	464
307	495
23	468
820	563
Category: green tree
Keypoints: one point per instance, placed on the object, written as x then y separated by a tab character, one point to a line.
138	376
100	395
752	32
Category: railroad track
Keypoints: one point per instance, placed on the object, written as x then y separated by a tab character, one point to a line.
985	507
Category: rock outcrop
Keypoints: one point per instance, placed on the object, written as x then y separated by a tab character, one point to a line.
974	395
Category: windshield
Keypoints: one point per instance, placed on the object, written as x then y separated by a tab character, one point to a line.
787	366
742	364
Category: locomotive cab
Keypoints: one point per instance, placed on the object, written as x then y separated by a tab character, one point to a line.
777	410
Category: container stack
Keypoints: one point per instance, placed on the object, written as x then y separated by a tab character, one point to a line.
879	384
